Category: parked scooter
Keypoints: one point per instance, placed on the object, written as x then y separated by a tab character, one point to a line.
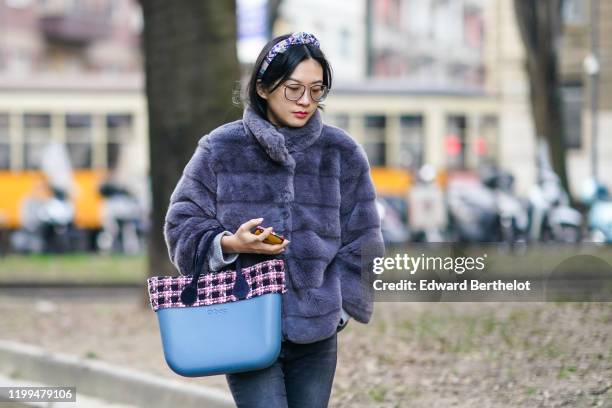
57	222
473	212
512	210
122	229
47	222
58	213
599	220
428	216
550	214
393	229
47	215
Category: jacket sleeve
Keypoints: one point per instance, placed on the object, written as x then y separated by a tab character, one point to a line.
191	215
361	236
217	258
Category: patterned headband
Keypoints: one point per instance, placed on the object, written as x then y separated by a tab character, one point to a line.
282	46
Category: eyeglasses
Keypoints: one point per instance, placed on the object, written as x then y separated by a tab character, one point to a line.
294	92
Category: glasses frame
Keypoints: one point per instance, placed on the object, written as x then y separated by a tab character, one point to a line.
325	92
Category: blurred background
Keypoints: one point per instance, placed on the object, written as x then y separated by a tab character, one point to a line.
436	91
483	121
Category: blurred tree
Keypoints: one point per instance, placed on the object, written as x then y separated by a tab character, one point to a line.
273	9
540	24
191	67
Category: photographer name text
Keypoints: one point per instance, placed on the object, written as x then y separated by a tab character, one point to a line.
411	265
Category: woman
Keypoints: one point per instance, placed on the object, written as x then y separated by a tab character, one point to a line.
281	167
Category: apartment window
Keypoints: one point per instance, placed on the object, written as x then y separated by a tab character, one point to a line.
111	9
374	143
18	4
485	145
119	131
136	20
386	12
18	62
572	97
37	134
411	141
79	140
5	142
345	42
473	27
574	12
455	140
340	120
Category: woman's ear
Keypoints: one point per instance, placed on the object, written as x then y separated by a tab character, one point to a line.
260	90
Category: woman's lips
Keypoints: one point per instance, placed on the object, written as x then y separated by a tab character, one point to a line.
300	115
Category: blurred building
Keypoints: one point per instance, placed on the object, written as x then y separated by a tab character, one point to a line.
415	81
506	78
427	44
577	86
420	94
252	25
340	27
69	36
445	83
70	72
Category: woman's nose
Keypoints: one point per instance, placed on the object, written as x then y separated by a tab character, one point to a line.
305	98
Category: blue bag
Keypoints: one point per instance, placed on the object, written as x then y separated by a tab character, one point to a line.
223	322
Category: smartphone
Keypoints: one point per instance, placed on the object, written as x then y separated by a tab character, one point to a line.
270	239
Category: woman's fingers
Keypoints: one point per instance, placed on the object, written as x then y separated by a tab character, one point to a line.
264	234
272	249
250	224
254	243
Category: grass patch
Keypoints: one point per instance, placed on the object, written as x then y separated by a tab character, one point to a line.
449	332
78	268
454	332
378	393
565	371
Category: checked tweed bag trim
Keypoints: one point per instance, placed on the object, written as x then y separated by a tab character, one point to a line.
216	288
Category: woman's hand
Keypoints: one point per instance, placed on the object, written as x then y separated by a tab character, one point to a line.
243	240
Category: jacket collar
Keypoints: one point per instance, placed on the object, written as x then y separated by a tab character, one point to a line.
280	142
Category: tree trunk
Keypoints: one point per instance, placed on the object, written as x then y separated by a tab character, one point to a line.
540	26
273	8
191	66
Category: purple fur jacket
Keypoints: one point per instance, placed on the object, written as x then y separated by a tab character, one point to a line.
313	185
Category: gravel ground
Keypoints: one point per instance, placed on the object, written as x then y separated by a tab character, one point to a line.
410	355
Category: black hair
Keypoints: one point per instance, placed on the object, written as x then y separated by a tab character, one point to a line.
281	67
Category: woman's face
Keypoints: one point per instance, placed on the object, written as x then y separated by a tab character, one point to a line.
283	112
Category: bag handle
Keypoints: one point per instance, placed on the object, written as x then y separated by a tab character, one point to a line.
190	293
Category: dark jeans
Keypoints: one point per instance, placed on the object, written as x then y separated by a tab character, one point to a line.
301	377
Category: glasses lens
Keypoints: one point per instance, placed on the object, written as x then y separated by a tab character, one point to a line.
318	92
294	92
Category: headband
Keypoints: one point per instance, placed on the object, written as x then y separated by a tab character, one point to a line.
282	46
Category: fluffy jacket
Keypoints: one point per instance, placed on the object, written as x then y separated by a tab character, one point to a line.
313	185
219	260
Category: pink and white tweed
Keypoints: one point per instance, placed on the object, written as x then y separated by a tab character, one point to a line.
216	288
